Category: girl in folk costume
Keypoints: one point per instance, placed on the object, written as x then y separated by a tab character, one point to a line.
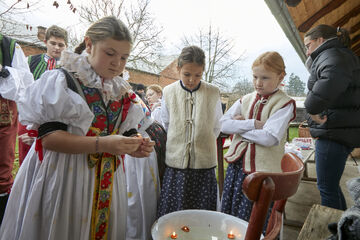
191	110
72	182
153	96
258	121
143	179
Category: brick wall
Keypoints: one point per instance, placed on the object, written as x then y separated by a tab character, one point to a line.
29	50
170	71
137	76
164	81
145	78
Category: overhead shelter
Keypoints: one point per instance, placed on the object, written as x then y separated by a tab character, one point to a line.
296	17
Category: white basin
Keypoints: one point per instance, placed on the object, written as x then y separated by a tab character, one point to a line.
203	225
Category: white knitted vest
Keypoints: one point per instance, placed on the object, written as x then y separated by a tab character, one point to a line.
191	142
258	157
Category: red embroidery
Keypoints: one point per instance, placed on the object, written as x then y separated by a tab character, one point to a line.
92	98
104	205
100	122
114	106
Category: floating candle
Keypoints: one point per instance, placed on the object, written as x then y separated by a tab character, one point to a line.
231	235
173	235
185	229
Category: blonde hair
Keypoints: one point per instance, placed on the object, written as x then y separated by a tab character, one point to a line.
272	61
156	88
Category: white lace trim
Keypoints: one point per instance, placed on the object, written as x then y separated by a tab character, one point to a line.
111	89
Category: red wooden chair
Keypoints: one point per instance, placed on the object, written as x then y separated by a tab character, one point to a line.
263	187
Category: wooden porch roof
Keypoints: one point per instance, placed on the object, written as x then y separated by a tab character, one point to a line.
296	17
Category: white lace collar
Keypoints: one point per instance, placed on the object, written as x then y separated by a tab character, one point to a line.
111	89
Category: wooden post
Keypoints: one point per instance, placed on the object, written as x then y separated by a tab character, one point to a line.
220	158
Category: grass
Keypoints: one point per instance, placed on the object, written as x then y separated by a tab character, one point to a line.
293	132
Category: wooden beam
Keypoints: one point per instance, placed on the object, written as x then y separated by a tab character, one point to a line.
355	39
292	3
355	28
356	49
342	21
332	5
357	46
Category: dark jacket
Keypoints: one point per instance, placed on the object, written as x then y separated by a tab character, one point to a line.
334	90
37	65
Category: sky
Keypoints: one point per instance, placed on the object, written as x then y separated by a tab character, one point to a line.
250	24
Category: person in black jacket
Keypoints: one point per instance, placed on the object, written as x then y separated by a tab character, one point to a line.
333	105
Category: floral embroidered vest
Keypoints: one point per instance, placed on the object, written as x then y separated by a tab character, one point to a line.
103	124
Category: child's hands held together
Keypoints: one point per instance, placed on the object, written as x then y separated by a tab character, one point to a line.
118	145
144	149
135	146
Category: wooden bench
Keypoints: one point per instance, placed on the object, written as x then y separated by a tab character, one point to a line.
316	223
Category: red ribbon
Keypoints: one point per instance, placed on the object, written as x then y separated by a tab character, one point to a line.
51	64
38	144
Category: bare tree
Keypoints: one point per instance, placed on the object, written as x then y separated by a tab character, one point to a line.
11	9
221	64
8	10
242	87
15	7
146	35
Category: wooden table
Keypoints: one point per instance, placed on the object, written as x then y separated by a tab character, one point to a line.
316	223
309	157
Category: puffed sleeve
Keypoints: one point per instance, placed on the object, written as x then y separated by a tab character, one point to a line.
20	76
50	100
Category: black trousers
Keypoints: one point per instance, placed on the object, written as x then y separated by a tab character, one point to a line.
3	202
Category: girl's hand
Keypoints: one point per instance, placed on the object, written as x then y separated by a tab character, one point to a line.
259	124
118	145
144	149
238	117
25	138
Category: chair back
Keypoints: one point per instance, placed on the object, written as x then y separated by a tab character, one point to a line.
264	187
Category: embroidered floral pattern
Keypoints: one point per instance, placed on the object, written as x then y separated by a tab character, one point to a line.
105	117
